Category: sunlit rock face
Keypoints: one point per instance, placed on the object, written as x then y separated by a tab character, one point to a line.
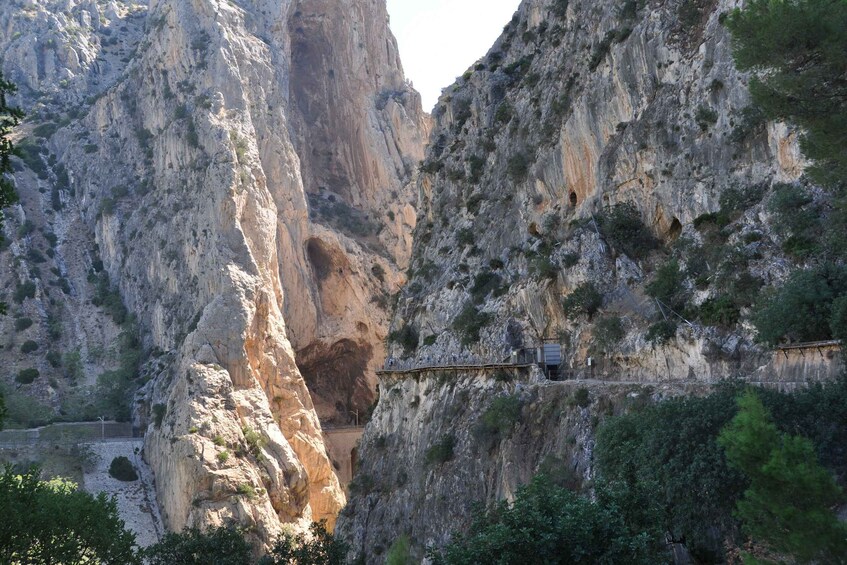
578	106
242	170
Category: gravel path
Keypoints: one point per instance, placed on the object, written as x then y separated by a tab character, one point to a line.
137	499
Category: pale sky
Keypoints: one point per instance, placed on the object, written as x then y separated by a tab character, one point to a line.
440	39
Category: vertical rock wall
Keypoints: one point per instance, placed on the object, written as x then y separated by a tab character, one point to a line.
232	173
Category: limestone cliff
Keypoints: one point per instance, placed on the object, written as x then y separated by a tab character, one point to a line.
237	174
442	443
577	108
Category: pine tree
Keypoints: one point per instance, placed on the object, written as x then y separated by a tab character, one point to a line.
796	48
788	506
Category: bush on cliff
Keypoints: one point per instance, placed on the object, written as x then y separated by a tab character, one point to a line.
550	524
121	468
804	308
788	507
626	232
56	522
666	462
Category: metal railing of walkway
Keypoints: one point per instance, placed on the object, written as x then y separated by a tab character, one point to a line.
522	358
70	432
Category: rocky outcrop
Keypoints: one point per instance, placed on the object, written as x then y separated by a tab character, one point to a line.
578	108
245	187
469	438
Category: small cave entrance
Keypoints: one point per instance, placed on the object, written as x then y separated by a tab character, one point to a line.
336	376
533	229
320	259
572	198
675	230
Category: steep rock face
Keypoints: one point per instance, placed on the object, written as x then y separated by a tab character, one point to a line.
198	184
578	108
411	483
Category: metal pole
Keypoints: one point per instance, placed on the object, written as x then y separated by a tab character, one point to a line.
102	427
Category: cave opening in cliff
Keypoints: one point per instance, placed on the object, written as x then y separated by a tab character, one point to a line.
336	376
573	199
319	258
675	230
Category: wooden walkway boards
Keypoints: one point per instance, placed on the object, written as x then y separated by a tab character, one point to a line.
810	345
454	368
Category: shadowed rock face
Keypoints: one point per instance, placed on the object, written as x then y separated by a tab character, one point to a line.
246	186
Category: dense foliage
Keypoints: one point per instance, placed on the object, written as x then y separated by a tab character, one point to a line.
585	300
788	506
321	548
122	469
624	230
222	546
55	522
666	462
796	49
803	309
9	118
550	524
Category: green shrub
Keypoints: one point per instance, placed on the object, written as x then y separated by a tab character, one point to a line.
223	456
570	260
498	420
486	283
598	54
122	469
802	309
54	358
582	397
159	411
668	286
518	167
469	322
23	291
667	459
559	8
407	336
219	441
705	117
441	451
465	237
549	524
246	489
22	323
585	300
624	230
27	376
476	164
504	113
838	320
29	346
796	219
608	331
719	311
661	332
255	441
221	545
400	552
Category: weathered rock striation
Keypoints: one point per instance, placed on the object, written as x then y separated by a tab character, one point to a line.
239	171
578	107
